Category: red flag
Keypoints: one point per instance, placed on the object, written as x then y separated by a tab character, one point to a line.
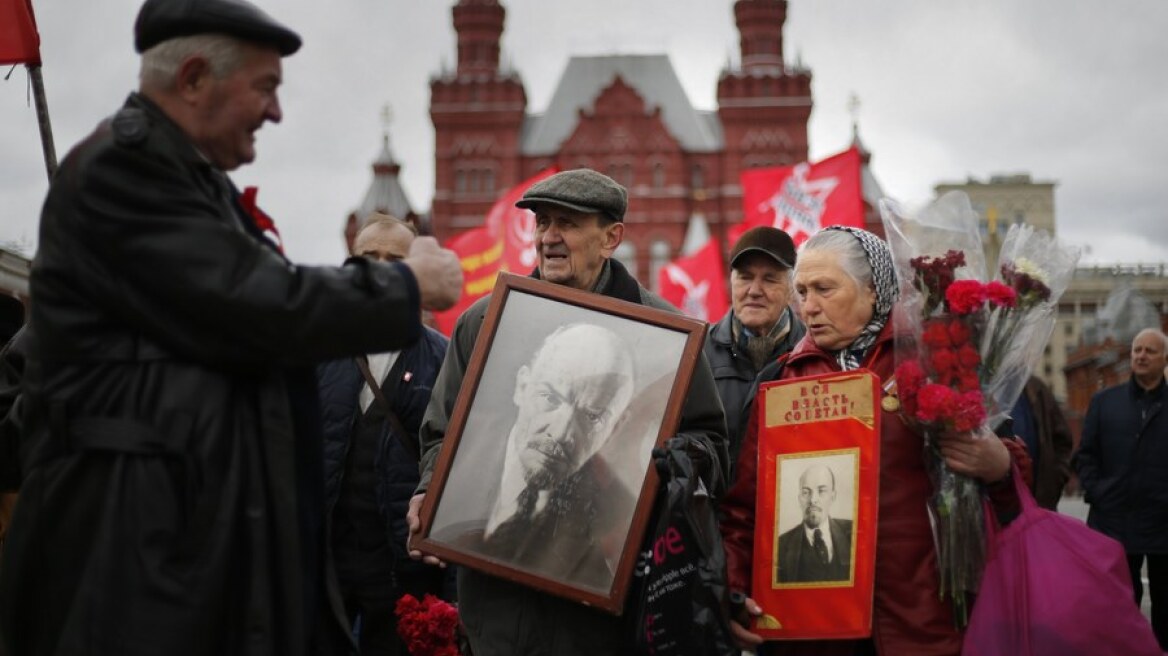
515	226
803	198
480	254
19	41
696	283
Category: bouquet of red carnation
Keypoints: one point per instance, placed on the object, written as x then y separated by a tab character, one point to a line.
975	345
428	627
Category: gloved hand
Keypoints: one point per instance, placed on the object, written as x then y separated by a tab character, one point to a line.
698	455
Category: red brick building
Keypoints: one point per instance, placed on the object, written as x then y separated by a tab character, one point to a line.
627	116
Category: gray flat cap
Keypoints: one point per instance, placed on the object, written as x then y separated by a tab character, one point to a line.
582	190
159	20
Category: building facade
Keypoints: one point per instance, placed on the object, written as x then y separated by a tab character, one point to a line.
625	115
1078	337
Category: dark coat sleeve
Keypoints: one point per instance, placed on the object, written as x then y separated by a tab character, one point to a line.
1087	460
1054	463
446	386
164	253
11	373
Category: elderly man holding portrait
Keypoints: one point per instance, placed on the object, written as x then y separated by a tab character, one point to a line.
846	288
579	223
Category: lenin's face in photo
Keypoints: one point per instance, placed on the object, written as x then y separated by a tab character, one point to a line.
816	494
569	397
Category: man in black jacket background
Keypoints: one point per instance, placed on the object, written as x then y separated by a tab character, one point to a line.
1122	464
371	463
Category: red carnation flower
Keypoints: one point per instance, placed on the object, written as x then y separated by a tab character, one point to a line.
968	356
909	378
968	381
958	332
428	627
934	402
968	411
936	334
1001	295
943	362
965	296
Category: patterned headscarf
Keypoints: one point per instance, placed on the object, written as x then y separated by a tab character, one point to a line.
884	280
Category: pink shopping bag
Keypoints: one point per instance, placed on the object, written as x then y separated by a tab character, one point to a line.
1053	587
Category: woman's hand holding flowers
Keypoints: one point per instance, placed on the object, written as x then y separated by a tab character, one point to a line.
978	454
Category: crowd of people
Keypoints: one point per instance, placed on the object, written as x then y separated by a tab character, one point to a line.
219	451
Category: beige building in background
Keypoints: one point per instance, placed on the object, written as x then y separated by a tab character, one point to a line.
1004	200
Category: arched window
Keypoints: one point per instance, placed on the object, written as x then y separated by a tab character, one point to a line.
489	181
658	175
697	177
460	181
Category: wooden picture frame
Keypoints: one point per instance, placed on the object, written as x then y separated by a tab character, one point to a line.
545	475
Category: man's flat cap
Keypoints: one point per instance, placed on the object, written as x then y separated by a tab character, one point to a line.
768	241
159	20
582	190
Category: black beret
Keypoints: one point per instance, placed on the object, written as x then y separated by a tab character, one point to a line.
582	190
159	20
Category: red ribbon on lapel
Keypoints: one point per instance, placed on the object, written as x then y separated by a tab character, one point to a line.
262	221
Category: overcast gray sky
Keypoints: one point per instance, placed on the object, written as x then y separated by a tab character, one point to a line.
1068	90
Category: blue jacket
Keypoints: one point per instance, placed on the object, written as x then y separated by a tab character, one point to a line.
396	469
1122	464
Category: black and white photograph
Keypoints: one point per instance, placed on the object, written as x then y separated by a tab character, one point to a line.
580	397
817	514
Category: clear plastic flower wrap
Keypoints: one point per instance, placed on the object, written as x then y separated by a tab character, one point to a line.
974	343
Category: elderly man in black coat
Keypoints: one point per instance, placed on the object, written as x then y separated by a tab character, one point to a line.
171	492
1122	464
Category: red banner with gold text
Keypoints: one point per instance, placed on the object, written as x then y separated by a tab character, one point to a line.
817	498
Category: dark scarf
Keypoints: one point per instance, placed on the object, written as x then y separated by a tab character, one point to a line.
884	280
760	347
614	281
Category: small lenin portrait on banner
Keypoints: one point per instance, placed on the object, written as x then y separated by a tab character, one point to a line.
817	511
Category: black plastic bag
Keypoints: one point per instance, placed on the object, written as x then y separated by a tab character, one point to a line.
680	600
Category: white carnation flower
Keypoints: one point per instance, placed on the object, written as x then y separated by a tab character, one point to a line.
1030	268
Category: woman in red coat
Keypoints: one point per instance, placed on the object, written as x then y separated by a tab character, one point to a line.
846	287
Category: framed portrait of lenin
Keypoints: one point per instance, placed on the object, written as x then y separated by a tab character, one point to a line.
545	475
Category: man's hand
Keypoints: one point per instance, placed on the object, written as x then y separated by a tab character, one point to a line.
438	272
742	609
414	521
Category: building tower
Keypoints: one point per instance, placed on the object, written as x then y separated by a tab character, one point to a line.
763	105
478	112
385	193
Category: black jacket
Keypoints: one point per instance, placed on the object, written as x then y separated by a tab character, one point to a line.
734	373
395	468
172	496
1122	464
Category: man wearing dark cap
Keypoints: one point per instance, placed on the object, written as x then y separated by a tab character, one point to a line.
171	475
579	218
759	326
